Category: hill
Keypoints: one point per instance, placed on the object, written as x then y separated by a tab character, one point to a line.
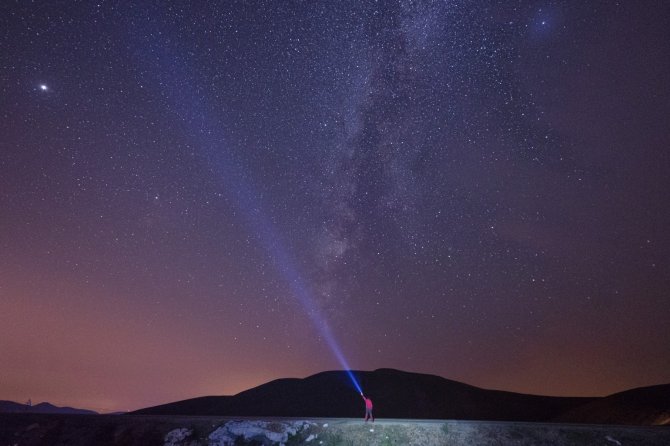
642	406
45	408
396	394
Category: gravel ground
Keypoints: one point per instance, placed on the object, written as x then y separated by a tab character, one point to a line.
131	430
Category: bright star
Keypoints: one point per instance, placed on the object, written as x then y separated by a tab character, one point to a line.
43	87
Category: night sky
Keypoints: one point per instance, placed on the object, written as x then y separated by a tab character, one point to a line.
193	197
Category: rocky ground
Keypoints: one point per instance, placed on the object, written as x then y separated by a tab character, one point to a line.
130	430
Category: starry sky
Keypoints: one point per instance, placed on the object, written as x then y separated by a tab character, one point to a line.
192	197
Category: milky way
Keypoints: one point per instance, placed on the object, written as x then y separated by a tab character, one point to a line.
472	190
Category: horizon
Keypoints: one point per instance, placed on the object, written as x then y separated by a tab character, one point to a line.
103	411
197	199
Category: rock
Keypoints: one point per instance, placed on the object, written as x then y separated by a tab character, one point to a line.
608	438
265	432
176	436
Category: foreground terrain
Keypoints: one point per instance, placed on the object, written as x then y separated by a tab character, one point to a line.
129	430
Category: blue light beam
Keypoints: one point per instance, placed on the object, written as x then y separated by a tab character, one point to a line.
171	72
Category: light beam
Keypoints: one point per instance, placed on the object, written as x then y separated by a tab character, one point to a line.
191	110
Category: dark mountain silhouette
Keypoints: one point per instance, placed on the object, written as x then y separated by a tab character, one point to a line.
12	407
642	406
396	394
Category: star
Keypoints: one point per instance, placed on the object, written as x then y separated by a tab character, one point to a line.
390	174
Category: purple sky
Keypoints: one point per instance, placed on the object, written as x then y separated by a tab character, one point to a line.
189	195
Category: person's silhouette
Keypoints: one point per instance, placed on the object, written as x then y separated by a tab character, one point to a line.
368	408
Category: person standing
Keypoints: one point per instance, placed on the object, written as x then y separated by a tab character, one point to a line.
368	408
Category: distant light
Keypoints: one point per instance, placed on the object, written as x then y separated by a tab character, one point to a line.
43	87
